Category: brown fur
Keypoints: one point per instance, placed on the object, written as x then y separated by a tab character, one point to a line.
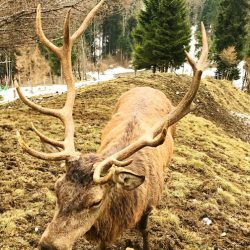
137	111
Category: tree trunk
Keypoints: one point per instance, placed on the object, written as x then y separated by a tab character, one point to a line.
247	83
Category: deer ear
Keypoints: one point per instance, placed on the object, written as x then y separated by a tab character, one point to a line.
127	179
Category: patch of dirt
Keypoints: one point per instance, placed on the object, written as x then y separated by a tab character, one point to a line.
202	180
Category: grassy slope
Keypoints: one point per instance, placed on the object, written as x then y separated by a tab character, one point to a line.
208	177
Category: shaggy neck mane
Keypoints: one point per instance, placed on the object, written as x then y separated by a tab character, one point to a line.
120	214
122	210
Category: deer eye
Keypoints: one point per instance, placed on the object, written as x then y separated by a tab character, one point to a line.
96	204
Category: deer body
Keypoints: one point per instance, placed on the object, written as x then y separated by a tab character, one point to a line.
136	111
120	205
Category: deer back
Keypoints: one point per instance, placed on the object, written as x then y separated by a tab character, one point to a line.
136	112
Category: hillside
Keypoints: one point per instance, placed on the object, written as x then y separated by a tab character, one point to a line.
208	177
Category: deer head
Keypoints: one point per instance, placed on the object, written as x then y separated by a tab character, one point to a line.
82	192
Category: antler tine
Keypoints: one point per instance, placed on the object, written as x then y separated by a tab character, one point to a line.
185	106
41	35
118	158
46	111
158	134
86	21
202	63
58	156
68	75
66	35
47	139
191	61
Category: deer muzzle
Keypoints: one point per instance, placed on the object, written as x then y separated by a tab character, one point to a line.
52	240
46	244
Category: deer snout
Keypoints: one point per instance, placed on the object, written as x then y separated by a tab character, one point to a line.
46	245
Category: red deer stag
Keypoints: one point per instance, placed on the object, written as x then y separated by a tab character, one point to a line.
102	194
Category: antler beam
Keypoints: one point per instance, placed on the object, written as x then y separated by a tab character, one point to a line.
65	114
158	134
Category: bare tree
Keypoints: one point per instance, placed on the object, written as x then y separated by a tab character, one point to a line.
246	81
31	65
229	57
17	18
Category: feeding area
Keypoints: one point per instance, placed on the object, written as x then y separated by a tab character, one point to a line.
124	125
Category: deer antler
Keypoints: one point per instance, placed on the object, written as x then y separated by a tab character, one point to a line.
47	139
157	135
64	114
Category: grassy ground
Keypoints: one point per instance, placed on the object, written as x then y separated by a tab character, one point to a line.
208	177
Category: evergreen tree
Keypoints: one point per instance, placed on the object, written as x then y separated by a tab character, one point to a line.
112	30
116	35
210	12
208	17
91	38
161	34
195	10
246	50
142	44
54	62
125	39
230	31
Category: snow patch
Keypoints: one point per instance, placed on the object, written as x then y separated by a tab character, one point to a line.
11	95
244	117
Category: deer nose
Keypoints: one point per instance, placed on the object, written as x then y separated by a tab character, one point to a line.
45	246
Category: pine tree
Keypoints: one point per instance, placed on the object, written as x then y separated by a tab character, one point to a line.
246	50
111	30
230	31
195	10
161	34
116	35
210	12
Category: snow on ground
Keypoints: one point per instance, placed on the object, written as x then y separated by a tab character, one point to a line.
187	70
10	94
109	74
244	117
238	83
